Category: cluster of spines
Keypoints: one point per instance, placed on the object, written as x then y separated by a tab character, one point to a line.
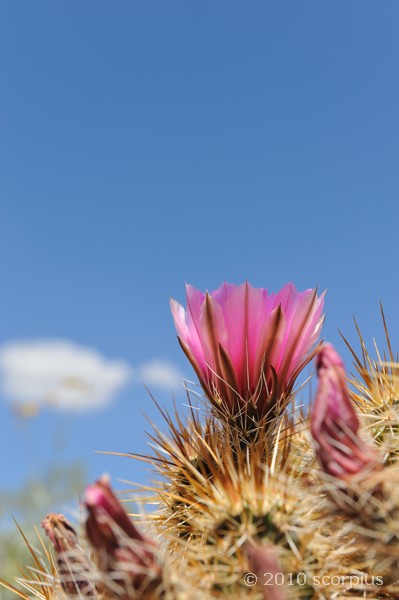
249	492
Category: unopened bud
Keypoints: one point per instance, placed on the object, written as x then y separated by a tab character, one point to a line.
126	556
263	561
75	569
334	422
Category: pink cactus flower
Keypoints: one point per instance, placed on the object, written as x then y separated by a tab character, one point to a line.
248	346
334	422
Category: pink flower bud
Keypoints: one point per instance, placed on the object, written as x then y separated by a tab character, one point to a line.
334	422
248	346
124	554
264	565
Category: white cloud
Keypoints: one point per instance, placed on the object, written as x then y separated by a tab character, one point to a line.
60	373
69	377
160	374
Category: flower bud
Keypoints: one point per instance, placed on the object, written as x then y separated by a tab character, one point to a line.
263	562
334	422
124	555
75	570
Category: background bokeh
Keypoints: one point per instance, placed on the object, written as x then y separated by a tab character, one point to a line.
146	144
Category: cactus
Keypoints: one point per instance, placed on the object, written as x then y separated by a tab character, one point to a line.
255	497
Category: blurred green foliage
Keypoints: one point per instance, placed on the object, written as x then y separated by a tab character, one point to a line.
57	491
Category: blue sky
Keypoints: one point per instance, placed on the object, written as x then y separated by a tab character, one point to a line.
145	144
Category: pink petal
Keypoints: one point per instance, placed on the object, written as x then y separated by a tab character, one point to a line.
188	334
212	333
235	314
308	336
179	317
296	311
